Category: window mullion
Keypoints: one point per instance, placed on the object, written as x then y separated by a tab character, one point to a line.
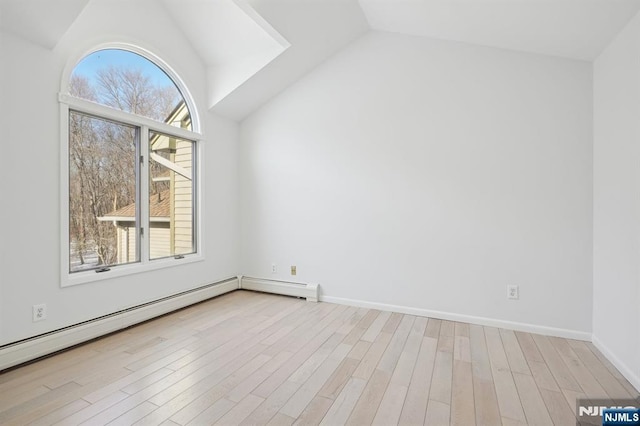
143	196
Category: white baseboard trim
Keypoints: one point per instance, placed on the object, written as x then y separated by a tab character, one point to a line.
624	369
490	322
38	346
308	291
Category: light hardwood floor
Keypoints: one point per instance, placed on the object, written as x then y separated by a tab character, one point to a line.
251	358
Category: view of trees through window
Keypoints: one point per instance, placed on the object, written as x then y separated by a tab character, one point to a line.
104	177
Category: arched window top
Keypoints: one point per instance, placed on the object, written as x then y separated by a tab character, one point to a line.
130	82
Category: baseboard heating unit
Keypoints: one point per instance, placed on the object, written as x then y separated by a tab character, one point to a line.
308	291
35	347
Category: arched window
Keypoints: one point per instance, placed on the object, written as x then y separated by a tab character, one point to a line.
130	161
129	82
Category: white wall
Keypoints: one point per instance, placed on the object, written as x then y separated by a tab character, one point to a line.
30	175
3	188
616	269
428	174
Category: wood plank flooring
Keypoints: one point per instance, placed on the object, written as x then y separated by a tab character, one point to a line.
248	358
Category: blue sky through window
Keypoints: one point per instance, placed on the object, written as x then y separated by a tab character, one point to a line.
90	64
154	96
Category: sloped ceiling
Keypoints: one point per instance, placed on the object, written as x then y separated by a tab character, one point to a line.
577	29
253	49
230	37
42	22
316	29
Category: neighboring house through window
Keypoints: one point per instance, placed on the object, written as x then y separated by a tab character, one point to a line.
131	156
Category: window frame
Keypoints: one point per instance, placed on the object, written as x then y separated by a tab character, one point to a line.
145	125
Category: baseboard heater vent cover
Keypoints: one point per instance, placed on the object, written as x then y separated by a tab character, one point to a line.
16	353
308	291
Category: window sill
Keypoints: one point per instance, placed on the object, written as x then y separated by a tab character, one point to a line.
68	280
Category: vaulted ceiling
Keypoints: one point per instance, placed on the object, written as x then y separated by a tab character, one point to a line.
253	49
42	22
316	30
577	29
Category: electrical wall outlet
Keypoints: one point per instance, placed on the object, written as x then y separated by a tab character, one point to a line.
39	312
513	292
274	268
293	270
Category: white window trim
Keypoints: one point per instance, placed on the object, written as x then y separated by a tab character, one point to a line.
145	124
